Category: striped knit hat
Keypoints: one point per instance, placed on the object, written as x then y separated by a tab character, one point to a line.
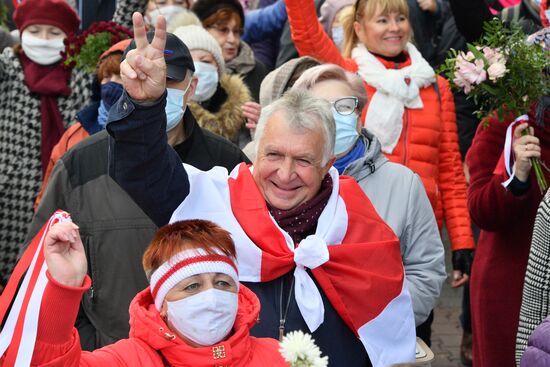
185	264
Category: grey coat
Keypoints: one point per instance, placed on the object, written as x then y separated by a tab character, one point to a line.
399	198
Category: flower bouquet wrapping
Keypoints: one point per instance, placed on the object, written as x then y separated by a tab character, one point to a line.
299	350
503	73
82	51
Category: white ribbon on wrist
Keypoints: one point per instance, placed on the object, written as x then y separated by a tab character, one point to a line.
511	168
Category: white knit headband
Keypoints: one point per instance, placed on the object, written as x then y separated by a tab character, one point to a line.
185	264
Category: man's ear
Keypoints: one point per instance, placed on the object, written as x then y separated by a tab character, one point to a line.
330	163
192	89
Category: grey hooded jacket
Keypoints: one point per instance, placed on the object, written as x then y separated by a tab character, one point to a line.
399	198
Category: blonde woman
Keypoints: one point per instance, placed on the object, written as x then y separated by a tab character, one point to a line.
410	110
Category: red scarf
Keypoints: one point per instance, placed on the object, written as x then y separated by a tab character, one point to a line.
49	82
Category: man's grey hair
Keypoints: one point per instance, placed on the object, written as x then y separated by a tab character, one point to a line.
302	111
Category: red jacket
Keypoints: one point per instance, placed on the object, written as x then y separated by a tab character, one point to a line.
151	343
506	223
429	141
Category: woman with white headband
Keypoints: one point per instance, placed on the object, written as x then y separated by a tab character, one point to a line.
195	312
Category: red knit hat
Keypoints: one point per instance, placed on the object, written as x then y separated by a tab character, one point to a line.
52	12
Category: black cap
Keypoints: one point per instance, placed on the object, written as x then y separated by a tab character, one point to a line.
176	55
205	8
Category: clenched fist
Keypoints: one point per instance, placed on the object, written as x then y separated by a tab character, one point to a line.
64	254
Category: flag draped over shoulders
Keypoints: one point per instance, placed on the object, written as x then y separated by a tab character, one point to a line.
353	255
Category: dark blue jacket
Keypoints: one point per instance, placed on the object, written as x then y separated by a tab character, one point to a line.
142	162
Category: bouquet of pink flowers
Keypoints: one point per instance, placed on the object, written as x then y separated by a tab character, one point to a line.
472	71
502	72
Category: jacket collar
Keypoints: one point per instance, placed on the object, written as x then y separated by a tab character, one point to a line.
371	160
389	64
88	118
147	326
228	120
244	62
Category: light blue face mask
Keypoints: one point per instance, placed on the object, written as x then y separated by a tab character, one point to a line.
338	36
208	81
346	131
175	106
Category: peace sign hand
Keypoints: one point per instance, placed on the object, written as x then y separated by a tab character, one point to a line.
143	71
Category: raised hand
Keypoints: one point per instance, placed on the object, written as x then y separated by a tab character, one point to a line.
428	5
525	147
143	71
251	111
64	254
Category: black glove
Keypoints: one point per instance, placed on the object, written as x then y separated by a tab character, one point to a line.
462	260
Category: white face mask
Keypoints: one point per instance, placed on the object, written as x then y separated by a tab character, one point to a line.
168	12
208	81
41	51
205	318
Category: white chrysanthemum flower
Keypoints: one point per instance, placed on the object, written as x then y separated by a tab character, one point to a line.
300	350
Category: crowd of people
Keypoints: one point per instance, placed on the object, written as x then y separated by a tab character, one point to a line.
238	170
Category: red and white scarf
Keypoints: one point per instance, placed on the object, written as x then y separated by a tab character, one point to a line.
353	255
21	324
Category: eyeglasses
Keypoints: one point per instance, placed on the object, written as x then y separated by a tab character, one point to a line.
226	30
345	105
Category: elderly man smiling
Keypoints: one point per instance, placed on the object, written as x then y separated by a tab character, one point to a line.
309	243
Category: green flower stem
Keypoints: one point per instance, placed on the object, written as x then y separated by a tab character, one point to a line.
539	174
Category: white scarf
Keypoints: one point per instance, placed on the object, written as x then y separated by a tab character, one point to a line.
395	90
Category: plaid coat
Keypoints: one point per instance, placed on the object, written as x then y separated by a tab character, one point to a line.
20	140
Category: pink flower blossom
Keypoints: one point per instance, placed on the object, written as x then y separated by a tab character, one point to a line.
462	83
474	73
493	56
465	56
496	71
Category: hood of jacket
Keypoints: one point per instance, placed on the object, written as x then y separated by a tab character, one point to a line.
147	326
244	62
277	81
372	160
229	118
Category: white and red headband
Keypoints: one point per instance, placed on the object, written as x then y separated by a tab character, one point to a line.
186	264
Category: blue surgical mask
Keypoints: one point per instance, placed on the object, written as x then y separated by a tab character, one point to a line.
346	131
338	36
110	93
175	107
208	81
